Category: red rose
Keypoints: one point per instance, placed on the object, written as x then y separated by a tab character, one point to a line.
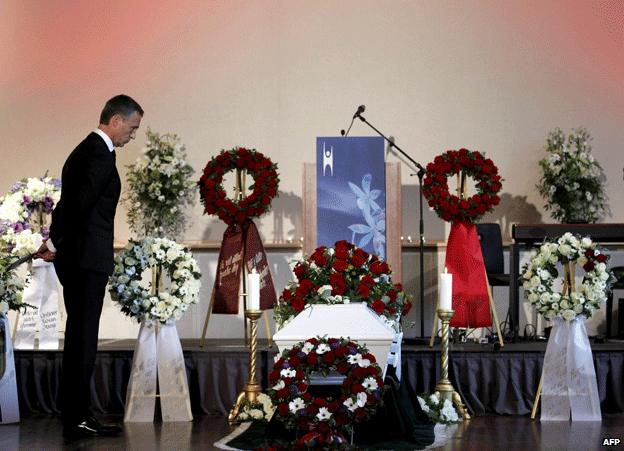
357	388
286	294
266	200
281	394
363	290
339	286
294	361
340	265
343	367
376	268
378	306
406	308
333	406
601	258
340	351
312	409
589	253
311	358
329	357
360	414
318	256
299	271
589	266
298	304
359	258
302	387
274	375
283	409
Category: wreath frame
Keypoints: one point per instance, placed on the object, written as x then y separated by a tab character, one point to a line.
264	189
138	301
361	390
451	207
539	274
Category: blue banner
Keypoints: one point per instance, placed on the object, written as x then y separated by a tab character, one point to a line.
351	192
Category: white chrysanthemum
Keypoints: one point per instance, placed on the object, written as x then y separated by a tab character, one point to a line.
307	347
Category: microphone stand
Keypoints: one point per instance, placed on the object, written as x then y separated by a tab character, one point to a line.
421	223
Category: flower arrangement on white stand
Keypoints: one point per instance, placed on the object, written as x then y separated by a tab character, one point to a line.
159	187
568	385
572	182
25	214
158	353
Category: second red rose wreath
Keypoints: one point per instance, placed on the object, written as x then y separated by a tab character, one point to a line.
463	252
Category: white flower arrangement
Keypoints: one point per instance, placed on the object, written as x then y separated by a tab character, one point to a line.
25	214
438	411
141	303
572	181
260	410
539	274
159	186
11	287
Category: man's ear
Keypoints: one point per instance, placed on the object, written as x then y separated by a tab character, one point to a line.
116	120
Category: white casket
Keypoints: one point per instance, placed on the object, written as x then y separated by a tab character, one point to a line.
355	321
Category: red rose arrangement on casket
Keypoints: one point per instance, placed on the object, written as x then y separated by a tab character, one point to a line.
340	275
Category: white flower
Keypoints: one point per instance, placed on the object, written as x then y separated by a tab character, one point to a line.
350	404
448	411
322	348
256	414
370	383
307	347
423	404
280	384
323	414
568	315
362	397
296	404
354	358
434	399
288	372
4	307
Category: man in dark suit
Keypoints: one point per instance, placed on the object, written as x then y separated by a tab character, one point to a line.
81	246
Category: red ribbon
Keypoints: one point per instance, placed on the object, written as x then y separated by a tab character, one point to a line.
465	261
241	242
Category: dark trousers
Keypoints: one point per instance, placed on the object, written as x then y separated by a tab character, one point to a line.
83	293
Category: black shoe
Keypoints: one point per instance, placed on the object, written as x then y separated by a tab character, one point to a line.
90	427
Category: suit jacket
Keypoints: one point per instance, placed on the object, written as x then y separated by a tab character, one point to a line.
82	226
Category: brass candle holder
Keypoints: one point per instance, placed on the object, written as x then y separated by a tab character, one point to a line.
444	388
252	388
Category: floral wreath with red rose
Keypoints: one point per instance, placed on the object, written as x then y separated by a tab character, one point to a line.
361	390
451	207
341	275
264	188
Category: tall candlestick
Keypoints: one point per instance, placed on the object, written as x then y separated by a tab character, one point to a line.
253	288
446	291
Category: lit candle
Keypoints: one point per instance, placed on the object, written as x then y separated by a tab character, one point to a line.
253	288
445	288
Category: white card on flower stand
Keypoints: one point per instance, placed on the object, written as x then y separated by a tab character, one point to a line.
42	293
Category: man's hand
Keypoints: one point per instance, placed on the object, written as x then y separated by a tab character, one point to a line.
44	253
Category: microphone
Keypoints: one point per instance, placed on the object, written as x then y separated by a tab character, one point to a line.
359	111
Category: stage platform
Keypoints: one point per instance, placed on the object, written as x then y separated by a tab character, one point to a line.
491	382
